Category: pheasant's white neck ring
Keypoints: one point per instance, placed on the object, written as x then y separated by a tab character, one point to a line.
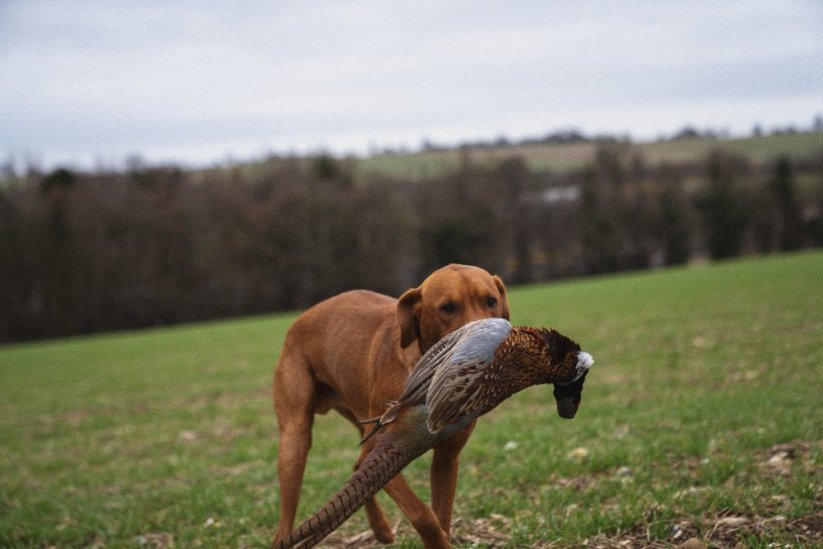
584	362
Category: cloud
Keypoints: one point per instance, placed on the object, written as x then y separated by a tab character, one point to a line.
106	79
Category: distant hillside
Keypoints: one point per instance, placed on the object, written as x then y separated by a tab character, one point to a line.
558	157
565	157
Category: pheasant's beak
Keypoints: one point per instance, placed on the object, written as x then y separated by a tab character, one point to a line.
568	396
567	407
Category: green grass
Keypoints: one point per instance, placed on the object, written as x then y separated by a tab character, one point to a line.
168	436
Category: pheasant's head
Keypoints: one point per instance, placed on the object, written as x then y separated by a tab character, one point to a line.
571	366
568	396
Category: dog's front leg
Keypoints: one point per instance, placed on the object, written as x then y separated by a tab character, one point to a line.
445	464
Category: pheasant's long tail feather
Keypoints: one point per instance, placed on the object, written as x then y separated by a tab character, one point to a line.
373	431
391	414
379	467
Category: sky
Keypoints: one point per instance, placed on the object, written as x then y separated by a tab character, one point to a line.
96	82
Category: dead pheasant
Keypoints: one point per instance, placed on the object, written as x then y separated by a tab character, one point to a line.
465	375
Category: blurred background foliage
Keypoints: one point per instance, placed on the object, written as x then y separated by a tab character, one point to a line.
146	245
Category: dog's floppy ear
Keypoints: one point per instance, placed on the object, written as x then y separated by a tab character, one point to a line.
408	316
504	300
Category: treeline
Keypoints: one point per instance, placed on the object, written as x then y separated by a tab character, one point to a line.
84	252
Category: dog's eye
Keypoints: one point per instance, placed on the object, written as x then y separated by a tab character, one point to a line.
448	308
491	302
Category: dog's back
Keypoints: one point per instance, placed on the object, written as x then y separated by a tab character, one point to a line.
336	341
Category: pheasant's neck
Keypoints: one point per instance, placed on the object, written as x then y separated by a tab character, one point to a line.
522	361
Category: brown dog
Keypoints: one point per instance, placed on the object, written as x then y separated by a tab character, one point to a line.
352	353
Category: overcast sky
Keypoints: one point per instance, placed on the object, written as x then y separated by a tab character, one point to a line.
91	82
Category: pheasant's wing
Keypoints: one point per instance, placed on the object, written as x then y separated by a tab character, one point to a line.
452	395
417	384
418	381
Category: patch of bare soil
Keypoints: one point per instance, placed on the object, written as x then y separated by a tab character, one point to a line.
733	532
476	533
726	532
721	531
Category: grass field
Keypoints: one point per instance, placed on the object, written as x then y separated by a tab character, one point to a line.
702	417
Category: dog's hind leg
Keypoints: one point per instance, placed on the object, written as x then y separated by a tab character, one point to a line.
419	514
294	389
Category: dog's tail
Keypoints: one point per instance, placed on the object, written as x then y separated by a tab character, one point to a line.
385	460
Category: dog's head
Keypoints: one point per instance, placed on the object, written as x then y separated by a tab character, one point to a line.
448	299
